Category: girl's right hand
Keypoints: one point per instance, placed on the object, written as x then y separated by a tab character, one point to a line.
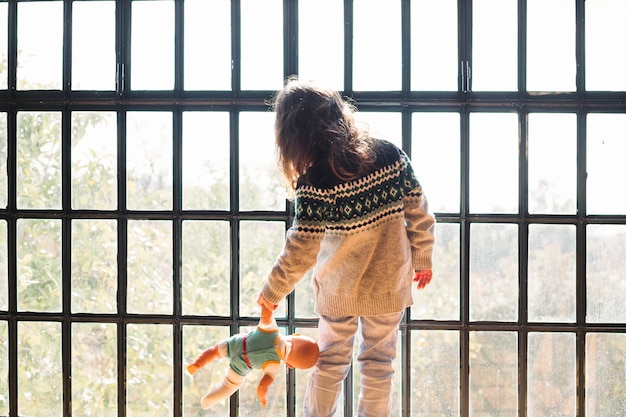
423	278
262	301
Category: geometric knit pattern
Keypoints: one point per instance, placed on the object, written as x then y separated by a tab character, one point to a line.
356	205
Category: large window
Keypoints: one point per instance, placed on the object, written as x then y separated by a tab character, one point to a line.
141	207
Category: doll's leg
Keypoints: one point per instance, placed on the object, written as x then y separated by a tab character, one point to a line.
212	353
231	383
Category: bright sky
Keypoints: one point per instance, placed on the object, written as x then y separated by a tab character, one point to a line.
551	64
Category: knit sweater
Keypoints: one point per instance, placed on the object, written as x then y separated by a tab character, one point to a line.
363	238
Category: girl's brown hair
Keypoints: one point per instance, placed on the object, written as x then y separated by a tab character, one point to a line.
315	126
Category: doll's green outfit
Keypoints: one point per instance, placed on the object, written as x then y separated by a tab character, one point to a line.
255	350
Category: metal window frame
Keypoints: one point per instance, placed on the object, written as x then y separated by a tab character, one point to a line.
406	102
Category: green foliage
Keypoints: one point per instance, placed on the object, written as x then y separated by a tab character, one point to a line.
150	268
149	376
94	369
94	160
39	159
94	266
39	265
206	268
40	392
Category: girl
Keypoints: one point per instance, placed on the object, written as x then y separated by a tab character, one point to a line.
362	224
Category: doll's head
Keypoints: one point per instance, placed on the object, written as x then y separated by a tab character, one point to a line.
303	353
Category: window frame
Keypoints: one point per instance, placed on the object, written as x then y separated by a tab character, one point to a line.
406	102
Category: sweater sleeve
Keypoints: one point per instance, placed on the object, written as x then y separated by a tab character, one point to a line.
302	244
420	223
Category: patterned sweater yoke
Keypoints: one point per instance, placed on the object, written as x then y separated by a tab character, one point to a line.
364	238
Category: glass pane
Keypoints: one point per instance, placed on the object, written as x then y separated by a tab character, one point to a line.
206	161
39	285
494	283
149	160
4	273
39	45
94	266
434	45
150	269
605	380
377	42
40	374
440	300
4	368
606	266
94	160
494	162
206	268
604	59
550	190
260	244
39	160
305	298
152	45
261	44
493	379
605	162
93	45
149	370
3	157
494	45
207	45
382	125
94	369
261	186
551	273
4	39
328	71
552	374
436	156
551	45
435	364
195	340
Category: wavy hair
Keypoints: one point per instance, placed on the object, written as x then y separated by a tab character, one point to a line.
315	126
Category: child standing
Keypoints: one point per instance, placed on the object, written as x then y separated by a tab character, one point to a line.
362	224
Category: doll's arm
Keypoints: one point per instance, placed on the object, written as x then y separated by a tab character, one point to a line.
261	390
266	315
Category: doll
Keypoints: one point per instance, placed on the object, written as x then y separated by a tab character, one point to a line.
262	348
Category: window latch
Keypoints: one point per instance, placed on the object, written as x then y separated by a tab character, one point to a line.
466	76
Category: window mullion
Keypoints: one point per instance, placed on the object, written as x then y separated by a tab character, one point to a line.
465	43
290	38
348	13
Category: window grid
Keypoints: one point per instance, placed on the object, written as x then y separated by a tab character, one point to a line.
464	102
